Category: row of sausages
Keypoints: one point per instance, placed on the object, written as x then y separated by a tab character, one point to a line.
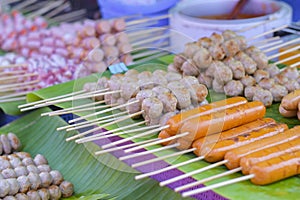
235	131
244	71
24	177
159	94
290	105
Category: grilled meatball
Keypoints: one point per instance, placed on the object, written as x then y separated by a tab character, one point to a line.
248	81
236	66
205	80
231	47
278	92
241	40
132	73
273	70
14	141
205	42
9	198
129	90
22	196
159	79
153	108
178	61
234	88
143	94
40	160
248	63
217	52
252	49
33	169
281	79
264	96
217	87
189	68
266	83
23	155
165	117
66	188
190	49
15	161
4	188
57	177
159	72
21	171
260	74
291	73
4	163
133	108
89	87
189	80
172	76
7	149
44	168
250	91
28	161
44	194
292	85
172	68
261	59
35	181
46	179
146	83
13	185
229	34
55	192
223	73
181	93
217	38
202	58
33	195
8	173
169	101
24	184
160	90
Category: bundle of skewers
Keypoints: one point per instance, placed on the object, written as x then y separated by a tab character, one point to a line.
225	63
25	177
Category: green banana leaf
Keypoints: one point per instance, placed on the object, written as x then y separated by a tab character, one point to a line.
286	189
102	177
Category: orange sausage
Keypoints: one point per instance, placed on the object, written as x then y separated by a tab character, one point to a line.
240	130
222	121
234	156
290	101
287	113
175	122
250	160
163	135
276	169
217	152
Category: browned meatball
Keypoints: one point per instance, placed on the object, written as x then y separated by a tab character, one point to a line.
217	52
281	79
292	85
172	68
217	38
266	83
248	63
217	87
190	49
260	74
229	34
223	73
236	66
248	81
153	108
205	80
178	60
202	58
261	59
291	73
250	91
189	68
231	47
264	96
169	101
205	42
278	92
241	40
273	70
234	88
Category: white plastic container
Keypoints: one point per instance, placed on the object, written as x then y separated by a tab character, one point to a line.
186	25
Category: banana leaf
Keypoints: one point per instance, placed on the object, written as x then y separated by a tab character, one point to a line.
286	189
102	177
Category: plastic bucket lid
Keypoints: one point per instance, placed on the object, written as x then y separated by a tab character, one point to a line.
119	7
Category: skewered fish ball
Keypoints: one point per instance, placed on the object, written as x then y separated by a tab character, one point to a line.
205	80
204	42
13	185
21	196
261	74
266	83
250	91
291	73
66	188
202	58
248	63
24	184
28	161
153	108
231	47
178	61
228	34
273	70
169	101
236	66
248	81
44	194
46	179
264	96
4	163
234	88
8	173
4	188
217	52
35	181
33	169
223	73
281	79
189	68
261	59
190	49
15	161
217	38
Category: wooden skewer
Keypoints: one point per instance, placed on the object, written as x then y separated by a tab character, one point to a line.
133	137
69	15
152	39
58	10
295	64
106	134
49	103
73	108
265	41
34	7
172	180
135	165
94	123
148	53
6	2
12	99
282	45
25	87
138	177
103	111
146	31
284	52
267	32
14	95
94	120
140	21
6	86
122	147
184	187
46	8
217	185
256	25
13	66
157	142
23	4
149	151
102	126
10	73
73	18
82	110
287	59
18	76
50	99
270	44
